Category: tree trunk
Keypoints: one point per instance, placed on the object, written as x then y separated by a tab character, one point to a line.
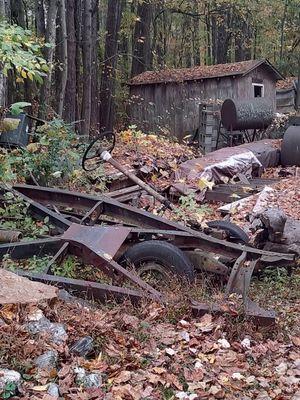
4	10
40	18
87	66
18	12
142	38
69	112
282	29
49	54
107	92
78	35
95	65
64	58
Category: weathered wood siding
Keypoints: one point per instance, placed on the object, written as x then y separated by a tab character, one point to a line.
285	100
173	108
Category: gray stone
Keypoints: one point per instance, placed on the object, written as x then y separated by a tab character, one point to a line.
92	381
46	360
43	325
87	380
53	390
83	346
274	221
8	376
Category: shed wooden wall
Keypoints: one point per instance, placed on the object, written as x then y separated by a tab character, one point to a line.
173	108
285	100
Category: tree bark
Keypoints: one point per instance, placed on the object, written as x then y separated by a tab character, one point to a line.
87	66
4	11
69	112
95	65
64	60
18	12
49	55
40	18
142	38
107	92
78	35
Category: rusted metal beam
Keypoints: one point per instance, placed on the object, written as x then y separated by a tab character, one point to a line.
92	290
23	250
251	311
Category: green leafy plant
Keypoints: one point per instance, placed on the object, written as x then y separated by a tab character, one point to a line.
14	215
67	268
189	209
17	108
9	390
33	264
21	52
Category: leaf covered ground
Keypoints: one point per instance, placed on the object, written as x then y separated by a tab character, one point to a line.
155	352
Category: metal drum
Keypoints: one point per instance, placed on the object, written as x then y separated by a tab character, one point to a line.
290	148
239	115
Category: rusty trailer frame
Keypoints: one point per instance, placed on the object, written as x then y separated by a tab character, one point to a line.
77	216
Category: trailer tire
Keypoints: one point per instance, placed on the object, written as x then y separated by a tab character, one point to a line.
162	253
234	230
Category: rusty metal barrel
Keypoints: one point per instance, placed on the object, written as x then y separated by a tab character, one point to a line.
290	148
238	115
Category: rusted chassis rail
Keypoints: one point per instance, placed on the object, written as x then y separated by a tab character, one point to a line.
102	246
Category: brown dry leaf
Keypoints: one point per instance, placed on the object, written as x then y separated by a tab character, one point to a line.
296	340
9	311
174	381
131	321
205	324
195	375
126	392
159	370
42	388
123	377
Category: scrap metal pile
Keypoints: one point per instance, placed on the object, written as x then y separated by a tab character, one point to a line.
101	231
112	236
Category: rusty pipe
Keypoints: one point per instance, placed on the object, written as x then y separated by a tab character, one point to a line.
106	156
9	236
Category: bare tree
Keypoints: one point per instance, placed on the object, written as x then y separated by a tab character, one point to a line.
40	18
107	92
4	10
71	88
142	38
87	66
64	60
49	54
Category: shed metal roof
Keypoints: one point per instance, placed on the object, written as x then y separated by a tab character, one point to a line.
202	72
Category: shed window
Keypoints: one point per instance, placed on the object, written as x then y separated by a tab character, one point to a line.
258	89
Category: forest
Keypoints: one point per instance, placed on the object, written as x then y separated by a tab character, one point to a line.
93	48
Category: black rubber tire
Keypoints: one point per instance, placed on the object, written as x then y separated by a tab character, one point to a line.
235	231
290	148
164	253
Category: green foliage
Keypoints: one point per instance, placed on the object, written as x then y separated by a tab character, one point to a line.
189	209
20	51
18	108
13	215
51	159
9	390
33	264
67	268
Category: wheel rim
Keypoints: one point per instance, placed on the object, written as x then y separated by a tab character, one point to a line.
153	273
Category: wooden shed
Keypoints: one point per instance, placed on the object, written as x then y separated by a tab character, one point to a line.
168	101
